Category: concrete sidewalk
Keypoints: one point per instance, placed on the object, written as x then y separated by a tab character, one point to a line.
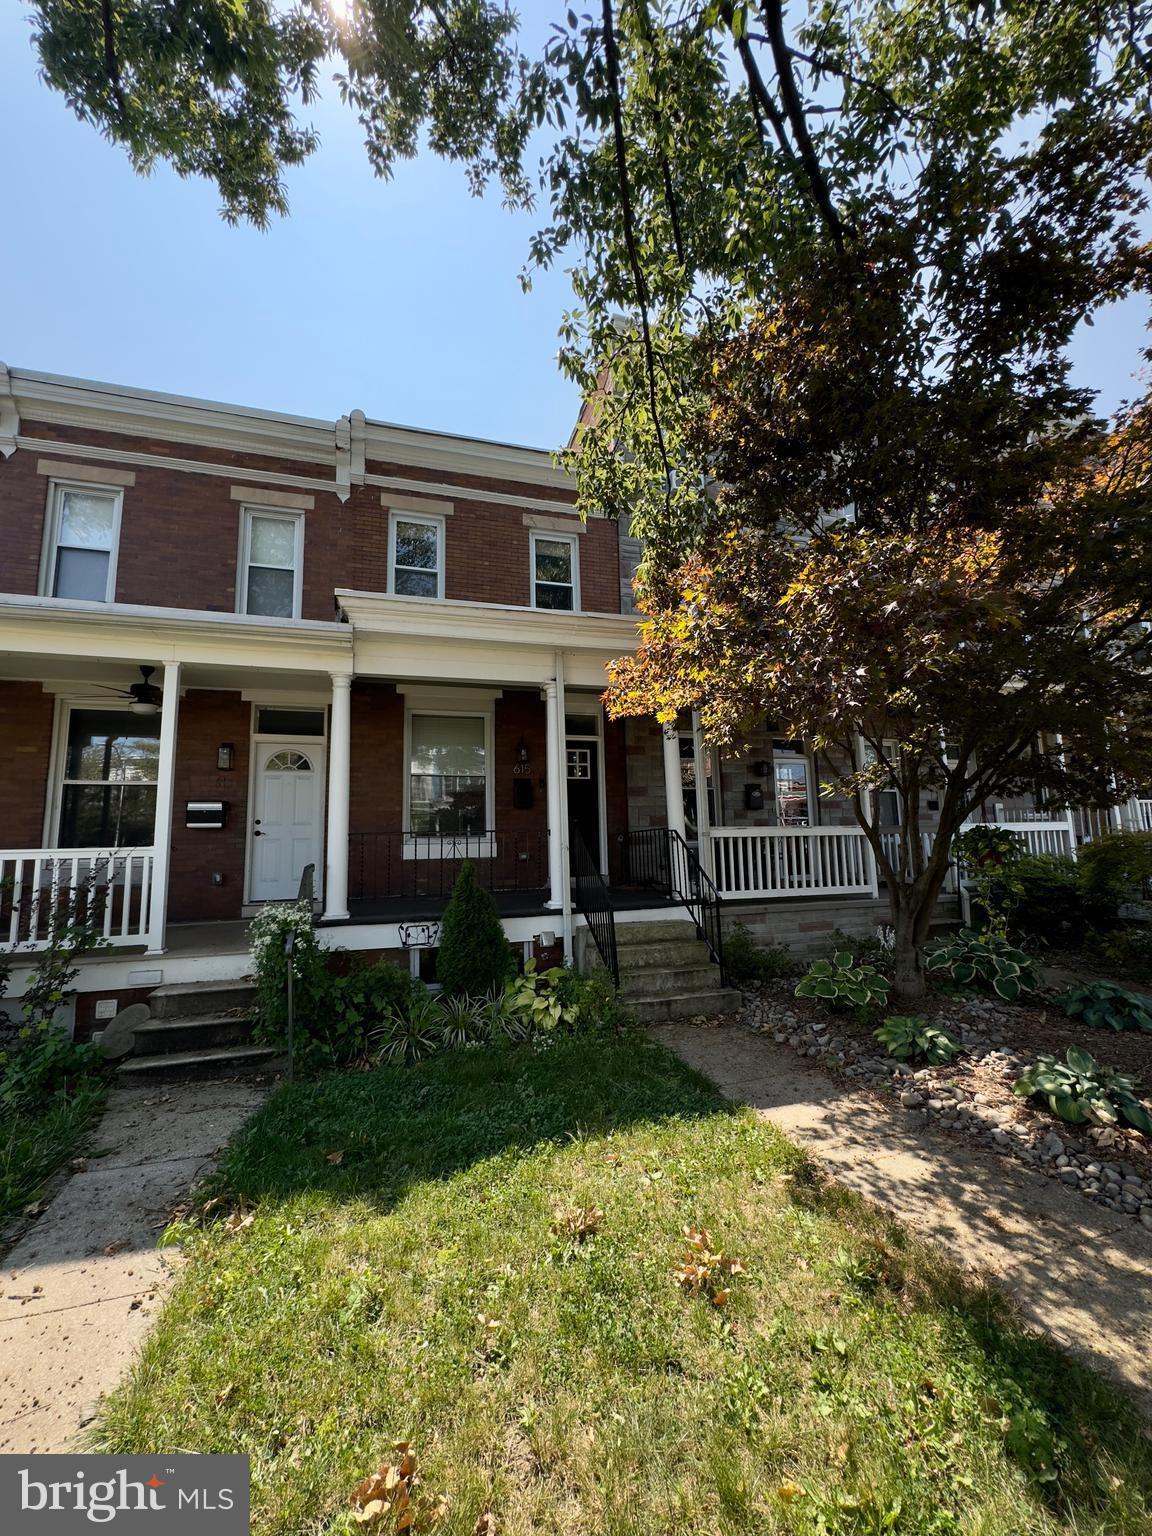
1079	1274
80	1288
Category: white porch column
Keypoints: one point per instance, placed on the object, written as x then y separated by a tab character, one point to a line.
339	771
165	789
673	780
867	801
703	819
553	767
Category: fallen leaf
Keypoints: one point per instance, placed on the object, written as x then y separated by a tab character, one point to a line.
117	1247
371	1511
239	1221
790	1491
34	1208
334	1157
485	1525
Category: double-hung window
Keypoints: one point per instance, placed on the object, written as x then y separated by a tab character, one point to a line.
271	561
447	775
555	572
108	784
84	529
416	555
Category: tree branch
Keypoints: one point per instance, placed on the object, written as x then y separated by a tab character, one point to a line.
612	57
794	110
111	63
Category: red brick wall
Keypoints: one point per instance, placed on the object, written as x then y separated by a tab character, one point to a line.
376	787
180	532
208	718
25	751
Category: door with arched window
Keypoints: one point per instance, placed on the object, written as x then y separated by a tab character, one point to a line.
287	818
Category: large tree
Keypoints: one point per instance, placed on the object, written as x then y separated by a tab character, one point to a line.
828	259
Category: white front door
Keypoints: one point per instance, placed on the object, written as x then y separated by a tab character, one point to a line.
287	818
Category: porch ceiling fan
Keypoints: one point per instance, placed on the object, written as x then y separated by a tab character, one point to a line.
146	697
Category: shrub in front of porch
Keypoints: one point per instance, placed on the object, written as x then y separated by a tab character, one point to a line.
984	960
51	1087
840	983
474	956
1116	869
334	1015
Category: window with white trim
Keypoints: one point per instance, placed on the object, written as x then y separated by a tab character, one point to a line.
416	555
555	571
447	775
108	783
271	562
83	533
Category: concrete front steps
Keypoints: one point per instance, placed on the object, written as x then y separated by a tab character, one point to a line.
198	1029
667	973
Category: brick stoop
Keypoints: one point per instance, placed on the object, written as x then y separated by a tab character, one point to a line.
667	973
199	1029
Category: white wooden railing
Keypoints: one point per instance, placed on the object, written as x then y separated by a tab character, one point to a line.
40	888
1143	809
791	861
1040	836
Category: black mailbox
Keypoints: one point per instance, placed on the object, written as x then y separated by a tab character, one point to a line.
753	797
205	813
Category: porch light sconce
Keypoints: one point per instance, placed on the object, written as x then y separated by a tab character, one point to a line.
521	766
225	756
759	768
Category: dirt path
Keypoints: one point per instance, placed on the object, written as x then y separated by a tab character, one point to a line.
81	1287
1079	1274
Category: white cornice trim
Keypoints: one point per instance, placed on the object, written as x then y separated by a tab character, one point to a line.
451	619
118	408
469	493
463	455
187	466
9	415
174	621
345	443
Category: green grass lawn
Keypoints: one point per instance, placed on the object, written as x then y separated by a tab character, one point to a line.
401	1280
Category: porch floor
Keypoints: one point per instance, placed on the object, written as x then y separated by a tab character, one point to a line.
421	909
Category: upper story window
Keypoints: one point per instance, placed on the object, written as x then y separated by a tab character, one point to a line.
271	562
416	555
83	533
555	571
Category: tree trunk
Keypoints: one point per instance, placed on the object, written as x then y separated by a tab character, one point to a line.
908	985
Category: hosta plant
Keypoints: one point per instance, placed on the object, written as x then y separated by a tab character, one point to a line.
907	1037
841	984
971	959
1080	1090
1103	1005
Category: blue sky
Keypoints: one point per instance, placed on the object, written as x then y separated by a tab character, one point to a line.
400	298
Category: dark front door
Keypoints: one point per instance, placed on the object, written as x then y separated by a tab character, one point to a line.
584	794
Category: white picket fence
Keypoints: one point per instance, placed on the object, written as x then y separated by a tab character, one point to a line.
40	888
791	861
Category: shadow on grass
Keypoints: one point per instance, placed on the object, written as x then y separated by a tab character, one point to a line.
400	1126
372	1136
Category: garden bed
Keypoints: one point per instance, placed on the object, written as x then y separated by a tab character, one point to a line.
973	1096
